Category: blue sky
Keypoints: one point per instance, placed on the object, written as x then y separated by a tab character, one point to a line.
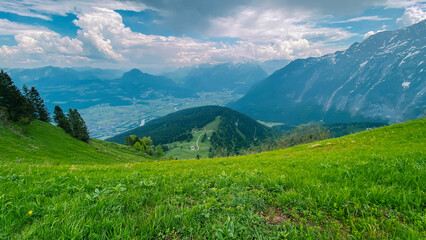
159	34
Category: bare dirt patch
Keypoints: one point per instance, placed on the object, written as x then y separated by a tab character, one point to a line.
276	216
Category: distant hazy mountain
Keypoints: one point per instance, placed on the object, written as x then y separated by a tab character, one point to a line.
53	75
383	78
234	132
84	87
228	76
271	66
179	75
134	83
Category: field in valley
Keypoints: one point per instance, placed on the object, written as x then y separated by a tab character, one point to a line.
106	121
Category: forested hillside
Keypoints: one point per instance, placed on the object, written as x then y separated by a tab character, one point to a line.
234	132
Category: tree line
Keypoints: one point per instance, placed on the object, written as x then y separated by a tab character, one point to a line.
25	106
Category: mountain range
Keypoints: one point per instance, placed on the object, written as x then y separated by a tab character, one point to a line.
380	79
85	87
237	77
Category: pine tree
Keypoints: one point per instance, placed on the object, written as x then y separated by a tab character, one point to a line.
15	104
40	110
128	141
61	120
204	138
78	126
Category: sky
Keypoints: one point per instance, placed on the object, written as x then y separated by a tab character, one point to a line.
165	34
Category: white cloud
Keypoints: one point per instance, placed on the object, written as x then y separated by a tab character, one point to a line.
411	16
364	18
103	38
264	36
272	31
370	33
275	34
403	3
32	39
37	44
11	28
97	30
44	8
255	25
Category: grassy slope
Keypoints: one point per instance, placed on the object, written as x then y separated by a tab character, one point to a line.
181	150
368	185
45	143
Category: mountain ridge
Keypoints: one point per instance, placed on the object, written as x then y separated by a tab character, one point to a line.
379	79
82	88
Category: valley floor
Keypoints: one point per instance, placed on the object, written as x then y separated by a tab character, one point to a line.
369	185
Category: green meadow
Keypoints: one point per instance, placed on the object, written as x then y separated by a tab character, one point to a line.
182	150
369	185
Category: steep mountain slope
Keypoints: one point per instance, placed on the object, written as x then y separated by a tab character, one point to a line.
383	78
369	185
235	130
41	142
228	76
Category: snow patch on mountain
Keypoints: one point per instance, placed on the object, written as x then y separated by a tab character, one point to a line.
406	84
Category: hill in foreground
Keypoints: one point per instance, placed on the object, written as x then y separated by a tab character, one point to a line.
368	185
228	131
41	142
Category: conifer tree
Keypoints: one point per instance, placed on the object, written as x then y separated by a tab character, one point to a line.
61	119
204	137
78	126
40	110
15	104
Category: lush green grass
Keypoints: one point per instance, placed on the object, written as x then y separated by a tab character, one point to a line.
370	185
40	142
181	150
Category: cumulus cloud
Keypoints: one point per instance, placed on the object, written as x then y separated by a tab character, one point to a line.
103	36
411	16
264	36
97	30
265	30
277	33
37	40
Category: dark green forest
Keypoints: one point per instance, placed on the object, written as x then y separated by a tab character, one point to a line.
235	132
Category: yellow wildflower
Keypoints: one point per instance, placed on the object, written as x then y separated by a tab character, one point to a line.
30	212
